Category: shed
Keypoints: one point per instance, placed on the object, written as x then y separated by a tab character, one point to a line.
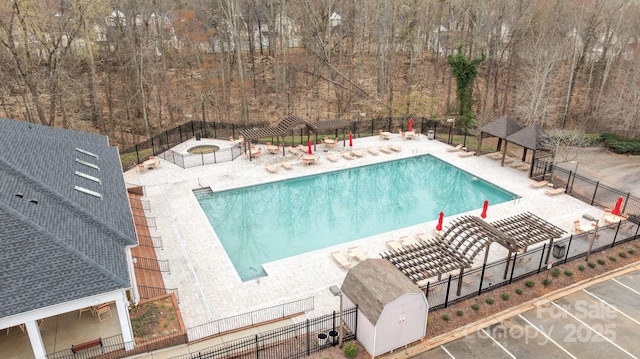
392	311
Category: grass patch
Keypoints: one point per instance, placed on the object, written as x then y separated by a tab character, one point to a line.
505	296
519	291
446	317
631	251
581	268
547	282
530	283
622	255
475	307
601	262
568	273
612	258
489	301
459	313
591	265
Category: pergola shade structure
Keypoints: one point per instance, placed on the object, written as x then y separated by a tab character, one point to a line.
456	247
289	123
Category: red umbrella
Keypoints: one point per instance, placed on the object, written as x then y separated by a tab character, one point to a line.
616	209
350	139
440	218
410	124
484	209
309	145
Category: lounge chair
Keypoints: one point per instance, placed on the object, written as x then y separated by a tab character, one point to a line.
539	184
292	150
554	191
357	153
286	165
357	253
495	155
423	237
373	151
341	259
455	149
394	148
346	155
524	167
466	154
386	150
394	245
331	157
580	228
271	168
408	241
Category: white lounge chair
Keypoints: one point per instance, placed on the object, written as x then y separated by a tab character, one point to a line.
373	151
466	154
394	245
357	153
331	157
539	184
357	253
385	149
554	191
341	259
346	155
455	149
271	168
286	165
408	241
395	148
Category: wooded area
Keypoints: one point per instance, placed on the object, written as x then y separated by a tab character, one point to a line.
129	69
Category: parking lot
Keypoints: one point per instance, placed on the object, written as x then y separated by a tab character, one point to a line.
598	321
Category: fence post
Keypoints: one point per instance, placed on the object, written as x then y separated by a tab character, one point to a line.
569	183
137	154
484	266
426	293
541	257
513	267
257	345
166	133
595	190
615	236
153	147
566	255
308	339
446	299
180	131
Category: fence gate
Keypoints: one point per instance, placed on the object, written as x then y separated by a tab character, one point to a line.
541	166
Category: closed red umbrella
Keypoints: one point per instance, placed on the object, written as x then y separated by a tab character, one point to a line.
440	218
616	209
309	145
410	124
484	209
350	139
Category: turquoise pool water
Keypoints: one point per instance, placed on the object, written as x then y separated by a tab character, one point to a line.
267	222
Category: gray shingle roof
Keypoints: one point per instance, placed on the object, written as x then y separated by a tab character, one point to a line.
373	284
532	137
59	243
501	128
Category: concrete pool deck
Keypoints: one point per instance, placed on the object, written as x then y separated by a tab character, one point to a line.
208	284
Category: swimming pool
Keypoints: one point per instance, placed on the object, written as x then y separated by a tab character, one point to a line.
263	223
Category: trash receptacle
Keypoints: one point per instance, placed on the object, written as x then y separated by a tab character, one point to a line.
322	339
198	136
559	250
431	135
333	334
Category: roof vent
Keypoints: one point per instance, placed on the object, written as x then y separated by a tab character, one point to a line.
89	177
19	195
88	191
86	152
33	201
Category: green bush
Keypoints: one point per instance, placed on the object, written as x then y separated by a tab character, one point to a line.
446	317
530	283
622	255
601	262
350	350
505	296
612	258
581	268
592	265
459	313
631	251
519	291
475	307
618	144
555	272
489	301
547	282
568	273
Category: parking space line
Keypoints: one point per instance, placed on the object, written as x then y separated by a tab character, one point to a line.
446	351
611	306
595	331
500	345
626	286
546	336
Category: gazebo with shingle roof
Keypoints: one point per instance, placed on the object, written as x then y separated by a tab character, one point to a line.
500	128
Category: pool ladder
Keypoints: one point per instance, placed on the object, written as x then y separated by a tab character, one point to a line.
256	275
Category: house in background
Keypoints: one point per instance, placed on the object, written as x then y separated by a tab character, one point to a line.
66	228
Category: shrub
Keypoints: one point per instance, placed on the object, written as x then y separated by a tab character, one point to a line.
568	273
581	268
530	283
519	291
475	307
350	350
622	255
547	282
612	258
505	296
591	265
555	272
446	317
601	262
489	301
631	251
429	320
459	313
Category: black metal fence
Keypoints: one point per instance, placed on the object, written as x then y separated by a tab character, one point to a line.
161	144
293	341
155	292
152	264
455	288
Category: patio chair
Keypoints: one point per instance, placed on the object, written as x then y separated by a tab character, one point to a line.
373	151
495	155
578	227
466	154
554	191
271	168
341	259
331	157
455	149
394	148
385	149
347	155
539	184
358	153
394	245
286	165
104	312
357	253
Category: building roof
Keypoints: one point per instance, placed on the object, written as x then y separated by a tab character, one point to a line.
66	218
501	128
373	284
